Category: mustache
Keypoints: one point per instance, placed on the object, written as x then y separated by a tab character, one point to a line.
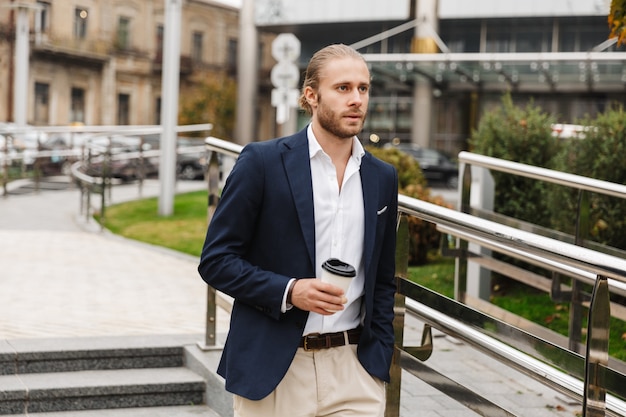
353	113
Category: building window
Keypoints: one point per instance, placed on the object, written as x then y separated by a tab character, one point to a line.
231	58
576	35
44	15
123	33
42	100
80	23
460	36
159	43
77	110
157	116
123	109
196	48
499	39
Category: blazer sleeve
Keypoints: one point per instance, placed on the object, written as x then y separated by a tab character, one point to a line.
223	262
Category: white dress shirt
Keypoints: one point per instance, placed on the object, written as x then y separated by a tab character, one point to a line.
339	230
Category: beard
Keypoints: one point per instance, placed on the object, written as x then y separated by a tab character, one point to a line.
335	124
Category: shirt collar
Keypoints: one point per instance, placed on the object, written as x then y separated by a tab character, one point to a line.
315	148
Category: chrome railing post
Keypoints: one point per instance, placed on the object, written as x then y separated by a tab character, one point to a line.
5	167
577	297
460	270
392	408
597	352
213	176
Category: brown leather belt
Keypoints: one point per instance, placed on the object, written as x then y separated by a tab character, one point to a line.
318	341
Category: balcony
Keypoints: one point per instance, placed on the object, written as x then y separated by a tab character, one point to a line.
91	50
186	64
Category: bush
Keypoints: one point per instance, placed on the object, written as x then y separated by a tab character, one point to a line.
214	100
521	135
598	154
423	236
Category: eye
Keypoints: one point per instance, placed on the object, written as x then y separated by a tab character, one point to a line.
342	88
364	88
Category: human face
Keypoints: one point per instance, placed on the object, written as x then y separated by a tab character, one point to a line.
344	85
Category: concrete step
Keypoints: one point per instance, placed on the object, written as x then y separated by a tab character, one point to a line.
85	390
181	411
26	356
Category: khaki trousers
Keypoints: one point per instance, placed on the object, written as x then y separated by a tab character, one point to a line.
327	382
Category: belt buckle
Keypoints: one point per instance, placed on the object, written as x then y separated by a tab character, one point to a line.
306	340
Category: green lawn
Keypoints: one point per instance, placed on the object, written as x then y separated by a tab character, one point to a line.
524	301
185	231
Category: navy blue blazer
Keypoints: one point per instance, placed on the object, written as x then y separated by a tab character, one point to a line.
263	233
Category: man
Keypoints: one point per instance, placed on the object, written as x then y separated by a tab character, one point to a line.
298	346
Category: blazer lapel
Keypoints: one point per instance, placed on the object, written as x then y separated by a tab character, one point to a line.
369	183
297	167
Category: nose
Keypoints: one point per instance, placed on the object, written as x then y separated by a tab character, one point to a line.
356	97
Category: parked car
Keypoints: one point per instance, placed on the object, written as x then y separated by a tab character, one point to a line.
25	139
189	165
55	157
438	168
126	161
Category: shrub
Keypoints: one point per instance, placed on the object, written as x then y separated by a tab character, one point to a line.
598	154
521	135
211	101
423	236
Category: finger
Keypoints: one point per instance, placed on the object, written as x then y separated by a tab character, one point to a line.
330	289
332	299
334	305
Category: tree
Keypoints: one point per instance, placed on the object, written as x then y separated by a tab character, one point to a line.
211	101
617	21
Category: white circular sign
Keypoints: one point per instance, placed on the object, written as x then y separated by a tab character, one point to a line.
285	75
286	47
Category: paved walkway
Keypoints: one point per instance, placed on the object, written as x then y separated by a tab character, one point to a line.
60	276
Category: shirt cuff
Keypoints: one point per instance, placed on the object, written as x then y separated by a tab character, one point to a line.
284	306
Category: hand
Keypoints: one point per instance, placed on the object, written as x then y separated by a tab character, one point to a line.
311	294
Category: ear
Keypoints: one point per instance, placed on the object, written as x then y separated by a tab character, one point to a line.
311	96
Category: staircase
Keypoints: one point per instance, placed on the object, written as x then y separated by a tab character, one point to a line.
120	376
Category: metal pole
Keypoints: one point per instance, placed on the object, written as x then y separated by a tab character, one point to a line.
423	42
247	57
169	110
20	95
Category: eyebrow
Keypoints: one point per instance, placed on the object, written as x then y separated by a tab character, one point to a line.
368	83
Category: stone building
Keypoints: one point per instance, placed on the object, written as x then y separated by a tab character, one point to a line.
99	62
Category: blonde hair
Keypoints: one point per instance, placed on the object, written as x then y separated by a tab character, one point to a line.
316	64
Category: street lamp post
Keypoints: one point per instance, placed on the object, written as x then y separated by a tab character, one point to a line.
20	60
247	73
169	110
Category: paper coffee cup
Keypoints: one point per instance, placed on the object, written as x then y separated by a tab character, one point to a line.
338	273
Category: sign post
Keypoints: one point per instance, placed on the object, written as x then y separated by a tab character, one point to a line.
285	75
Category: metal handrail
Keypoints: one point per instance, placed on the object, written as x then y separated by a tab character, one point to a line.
585	188
544	174
554	254
553	250
103	129
583	262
